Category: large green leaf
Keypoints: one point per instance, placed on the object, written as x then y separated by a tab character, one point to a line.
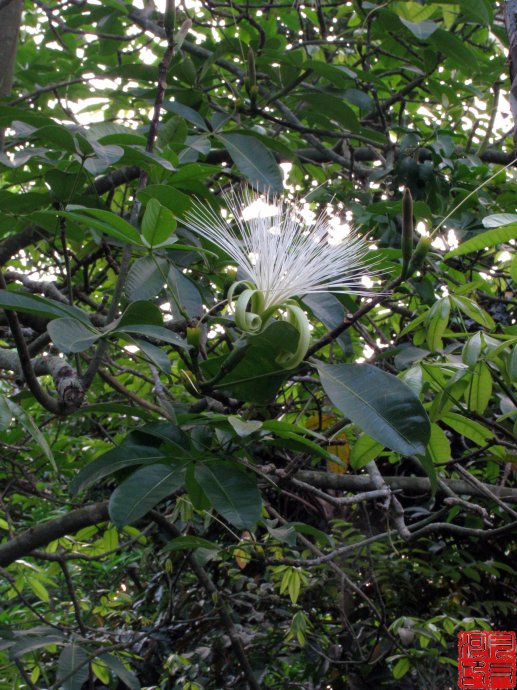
35	638
146	278
33	304
70	335
118	668
485	240
128	454
104	221
146	487
158	224
257	377
333	108
187	113
155	354
168	196
467	427
232	492
186	297
156	332
254	161
328	309
73	667
139	313
379	403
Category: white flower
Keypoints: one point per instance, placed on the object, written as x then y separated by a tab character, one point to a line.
281	254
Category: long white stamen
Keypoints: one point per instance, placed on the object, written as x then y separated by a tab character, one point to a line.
283	255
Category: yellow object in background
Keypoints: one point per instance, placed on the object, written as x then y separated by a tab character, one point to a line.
340	449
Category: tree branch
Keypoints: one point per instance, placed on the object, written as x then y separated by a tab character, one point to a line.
361	482
44	533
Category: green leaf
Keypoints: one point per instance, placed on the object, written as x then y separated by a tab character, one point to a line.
472	349
467	427
120	671
243	427
29	425
363	451
437	321
332	107
73	667
495	220
128	454
186	297
485	240
6	414
139	313
340	75
462	56
439	448
146	487
22	203
101	672
168	196
421	30
33	304
155	354
401	668
328	309
257	377
38	588
232	492
69	335
473	311
156	332
36	638
138	155
158	224
104	157
479	391
476	10
186	113
513	269
57	136
146	278
254	161
103	221
427	463
379	403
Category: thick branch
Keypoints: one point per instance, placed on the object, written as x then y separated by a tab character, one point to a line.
413	485
44	533
69	389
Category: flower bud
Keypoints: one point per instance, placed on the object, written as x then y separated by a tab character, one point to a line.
406	241
194	336
418	258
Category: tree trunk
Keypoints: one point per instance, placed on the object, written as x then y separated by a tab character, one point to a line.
10	18
510	20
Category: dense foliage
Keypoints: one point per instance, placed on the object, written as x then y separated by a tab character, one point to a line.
189	503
